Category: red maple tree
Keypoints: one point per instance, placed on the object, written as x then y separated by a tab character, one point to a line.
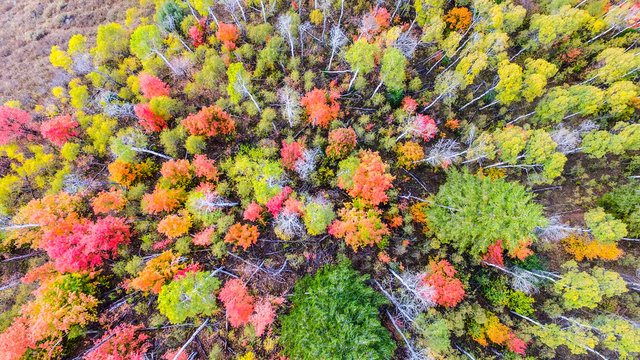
59	129
321	107
151	86
237	302
209	121
449	290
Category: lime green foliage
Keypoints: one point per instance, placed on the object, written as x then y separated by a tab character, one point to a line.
581	289
79	96
100	132
195	144
144	41
255	176
202	6
361	56
614	63
435	334
619	96
392	72
70	151
536	75
563	22
317	217
625	137
575	337
125	139
510	83
189	296
200	205
268	56
500	295
112	43
604	227
429	15
212	71
164	107
335	316
618	335
624	203
173	139
471	213
237	75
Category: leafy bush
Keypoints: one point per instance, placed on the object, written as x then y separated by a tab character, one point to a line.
190	296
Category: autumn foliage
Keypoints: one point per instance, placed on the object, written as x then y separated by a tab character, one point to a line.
209	121
149	120
126	173
162	200
151	86
449	290
84	245
174	226
359	228
228	34
237	302
290	153
14	124
458	19
59	129
107	201
341	142
125	342
242	235
156	272
582	247
370	180
321	107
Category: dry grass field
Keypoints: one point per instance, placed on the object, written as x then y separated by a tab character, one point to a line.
29	28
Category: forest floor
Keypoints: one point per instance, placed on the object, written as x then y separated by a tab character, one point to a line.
31	27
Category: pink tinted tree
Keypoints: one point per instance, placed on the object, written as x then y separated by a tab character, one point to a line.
59	129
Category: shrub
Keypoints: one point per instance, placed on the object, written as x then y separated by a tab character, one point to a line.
156	272
127	174
14	124
408	153
209	121
59	129
228	34
151	86
190	296
341	142
369	181
242	235
148	119
321	107
237	302
121	343
106	202
449	290
162	200
317	217
177	172
581	247
174	226
78	246
360	228
335	316
290	153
